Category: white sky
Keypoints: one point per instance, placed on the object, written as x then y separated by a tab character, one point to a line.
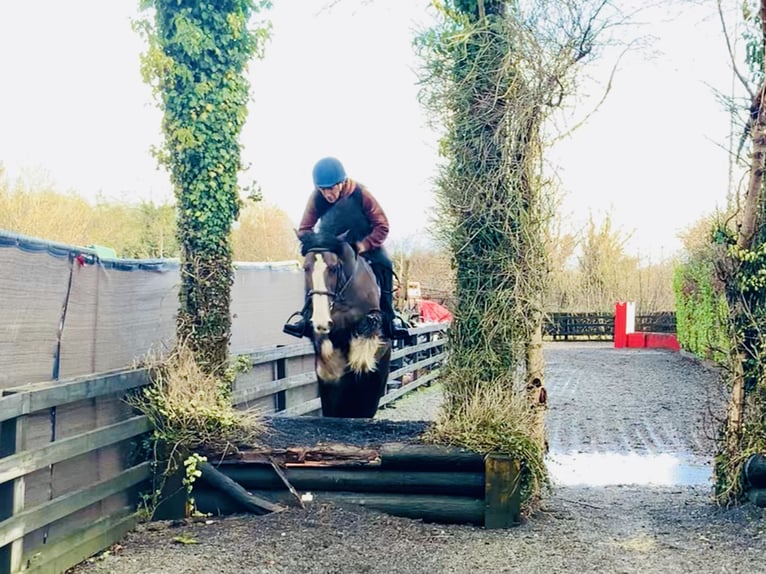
342	82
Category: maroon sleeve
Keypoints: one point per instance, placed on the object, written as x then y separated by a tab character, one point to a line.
310	216
377	218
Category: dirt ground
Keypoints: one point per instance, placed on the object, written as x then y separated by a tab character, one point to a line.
645	405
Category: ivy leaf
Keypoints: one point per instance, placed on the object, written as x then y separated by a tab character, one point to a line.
183	539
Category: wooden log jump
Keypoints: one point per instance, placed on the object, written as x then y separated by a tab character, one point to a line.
429	508
427	482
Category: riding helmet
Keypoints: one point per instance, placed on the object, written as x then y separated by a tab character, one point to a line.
328	171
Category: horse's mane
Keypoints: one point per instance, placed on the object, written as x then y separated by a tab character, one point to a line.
318	241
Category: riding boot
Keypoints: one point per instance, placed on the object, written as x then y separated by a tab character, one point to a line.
386	279
390	328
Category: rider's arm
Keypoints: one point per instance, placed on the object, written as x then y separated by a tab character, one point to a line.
378	221
310	216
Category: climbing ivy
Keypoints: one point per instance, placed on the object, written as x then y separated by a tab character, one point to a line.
196	61
745	435
741	266
701	311
493	73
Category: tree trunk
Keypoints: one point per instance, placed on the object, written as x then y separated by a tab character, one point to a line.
748	237
751	207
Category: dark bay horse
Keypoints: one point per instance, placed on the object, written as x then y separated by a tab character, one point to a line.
352	358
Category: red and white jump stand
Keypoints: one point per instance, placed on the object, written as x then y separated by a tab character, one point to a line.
625	334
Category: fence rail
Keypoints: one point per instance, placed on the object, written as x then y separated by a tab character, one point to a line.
600	326
92	514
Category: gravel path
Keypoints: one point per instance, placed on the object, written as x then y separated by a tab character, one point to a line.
650	406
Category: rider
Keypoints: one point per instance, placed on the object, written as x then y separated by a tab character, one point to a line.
339	204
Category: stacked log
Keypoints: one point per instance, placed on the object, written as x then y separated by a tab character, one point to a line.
428	482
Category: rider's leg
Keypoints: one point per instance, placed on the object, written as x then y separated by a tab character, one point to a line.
384	272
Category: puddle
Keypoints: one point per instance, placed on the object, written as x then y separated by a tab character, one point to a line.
604	469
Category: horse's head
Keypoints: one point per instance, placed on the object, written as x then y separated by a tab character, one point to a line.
330	268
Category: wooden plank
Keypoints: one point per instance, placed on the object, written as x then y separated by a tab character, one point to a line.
426	329
12	407
322	454
39	516
409	387
415	366
269	388
290	351
17	546
28	461
579	325
502	494
411	349
302	408
316	404
38	396
80	545
286	352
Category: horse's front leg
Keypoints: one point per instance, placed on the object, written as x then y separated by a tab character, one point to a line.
366	343
330	360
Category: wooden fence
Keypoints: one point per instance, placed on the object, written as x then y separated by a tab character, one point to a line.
65	498
600	326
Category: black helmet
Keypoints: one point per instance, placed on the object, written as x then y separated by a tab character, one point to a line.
328	171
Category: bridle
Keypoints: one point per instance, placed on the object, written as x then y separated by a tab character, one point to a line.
335	296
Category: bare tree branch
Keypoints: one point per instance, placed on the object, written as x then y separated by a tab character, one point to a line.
730	49
600	102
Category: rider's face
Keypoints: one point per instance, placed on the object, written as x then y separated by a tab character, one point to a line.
331	194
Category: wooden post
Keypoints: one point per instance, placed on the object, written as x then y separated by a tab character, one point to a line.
11	494
280	397
536	392
502	491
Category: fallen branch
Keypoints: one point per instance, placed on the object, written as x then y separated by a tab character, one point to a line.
236	492
286	482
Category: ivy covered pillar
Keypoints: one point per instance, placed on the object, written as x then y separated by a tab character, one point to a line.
196	63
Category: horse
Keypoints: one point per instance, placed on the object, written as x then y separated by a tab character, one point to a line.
351	355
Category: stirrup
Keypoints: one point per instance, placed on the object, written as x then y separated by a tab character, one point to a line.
297	329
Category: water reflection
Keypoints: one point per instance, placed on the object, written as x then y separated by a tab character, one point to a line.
602	469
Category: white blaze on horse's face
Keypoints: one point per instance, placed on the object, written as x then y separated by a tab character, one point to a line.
320	299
